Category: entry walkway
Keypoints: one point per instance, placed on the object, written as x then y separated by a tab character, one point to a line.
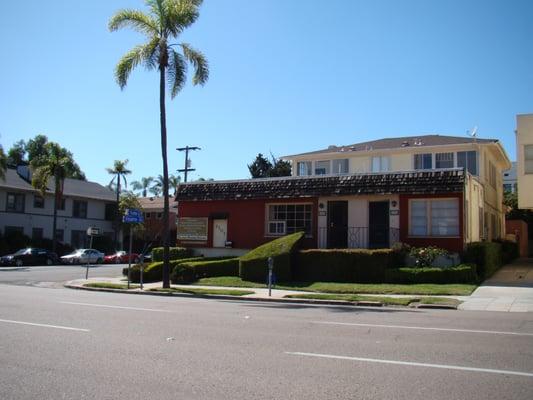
509	289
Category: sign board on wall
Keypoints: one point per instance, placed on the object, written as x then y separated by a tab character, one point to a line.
190	228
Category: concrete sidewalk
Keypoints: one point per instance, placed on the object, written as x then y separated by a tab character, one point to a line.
509	289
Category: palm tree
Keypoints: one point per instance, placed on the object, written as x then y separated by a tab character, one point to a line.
165	21
173	182
119	172
143	184
54	163
3	163
155	190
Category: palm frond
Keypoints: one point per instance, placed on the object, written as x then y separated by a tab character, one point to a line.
40	178
198	60
134	19
177	73
144	53
179	14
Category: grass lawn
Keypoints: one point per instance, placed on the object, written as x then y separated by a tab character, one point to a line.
439	300
404	301
107	285
349	288
228	292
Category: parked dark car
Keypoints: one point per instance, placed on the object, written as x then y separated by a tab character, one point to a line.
30	256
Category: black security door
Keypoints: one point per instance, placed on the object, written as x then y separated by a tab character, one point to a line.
337	224
378	222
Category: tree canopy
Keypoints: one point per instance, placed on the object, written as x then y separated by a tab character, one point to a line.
262	167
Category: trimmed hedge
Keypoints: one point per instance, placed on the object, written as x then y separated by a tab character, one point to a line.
464	273
510	251
154	271
344	265
253	265
486	255
191	271
175	253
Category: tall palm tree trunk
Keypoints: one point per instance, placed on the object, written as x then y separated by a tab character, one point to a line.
54	223
117	222
166	280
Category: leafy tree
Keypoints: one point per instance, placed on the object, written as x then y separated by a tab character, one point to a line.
262	167
34	147
143	185
3	163
17	154
119	172
165	21
54	164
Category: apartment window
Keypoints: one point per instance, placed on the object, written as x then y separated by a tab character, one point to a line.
38	201
468	161
340	166
423	161
37	234
60	235
492	174
159	215
11	230
78	239
110	211
79	209
444	160
147	215
289	218
528	158
304	168
15	202
322	167
380	164
434	217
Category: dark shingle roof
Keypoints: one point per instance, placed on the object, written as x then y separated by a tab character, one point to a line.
415	182
72	187
400	142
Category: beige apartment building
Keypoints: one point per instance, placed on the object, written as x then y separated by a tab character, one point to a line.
524	156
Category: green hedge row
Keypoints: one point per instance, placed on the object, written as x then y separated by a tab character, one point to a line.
175	253
345	265
464	273
253	266
191	271
154	272
486	255
510	251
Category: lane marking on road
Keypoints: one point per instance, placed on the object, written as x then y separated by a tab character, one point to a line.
108	306
412	364
68	328
423	328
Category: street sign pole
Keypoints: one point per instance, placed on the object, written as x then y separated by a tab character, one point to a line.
270	268
142	267
129	256
88	259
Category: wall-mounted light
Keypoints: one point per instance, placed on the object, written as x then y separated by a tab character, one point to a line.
321	205
394	203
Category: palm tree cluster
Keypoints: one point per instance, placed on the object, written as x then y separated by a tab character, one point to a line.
155	185
119	172
164	22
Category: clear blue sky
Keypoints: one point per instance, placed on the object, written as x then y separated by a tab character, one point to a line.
287	76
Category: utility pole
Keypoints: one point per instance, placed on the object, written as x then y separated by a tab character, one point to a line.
187	164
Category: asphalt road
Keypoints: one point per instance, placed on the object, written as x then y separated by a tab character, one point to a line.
71	344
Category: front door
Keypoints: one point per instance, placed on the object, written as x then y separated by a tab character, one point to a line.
378	222
220	232
337	224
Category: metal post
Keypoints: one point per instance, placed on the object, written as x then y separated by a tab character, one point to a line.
88	259
142	267
270	268
129	255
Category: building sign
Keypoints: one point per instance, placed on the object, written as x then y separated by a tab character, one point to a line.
192	229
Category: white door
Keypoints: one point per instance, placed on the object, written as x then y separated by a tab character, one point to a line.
220	232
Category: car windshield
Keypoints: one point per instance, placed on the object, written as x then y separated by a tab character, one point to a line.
120	253
21	251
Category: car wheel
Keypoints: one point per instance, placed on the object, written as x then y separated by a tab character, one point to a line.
49	261
19	263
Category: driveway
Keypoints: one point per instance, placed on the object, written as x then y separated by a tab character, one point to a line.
509	289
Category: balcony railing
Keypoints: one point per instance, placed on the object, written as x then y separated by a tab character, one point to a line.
357	237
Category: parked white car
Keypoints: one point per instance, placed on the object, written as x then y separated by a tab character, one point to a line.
83	256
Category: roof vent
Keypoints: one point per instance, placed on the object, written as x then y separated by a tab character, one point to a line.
418	142
405	143
352	148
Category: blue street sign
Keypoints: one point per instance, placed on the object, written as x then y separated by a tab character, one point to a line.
133	216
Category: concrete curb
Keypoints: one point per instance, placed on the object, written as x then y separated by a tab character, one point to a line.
362	304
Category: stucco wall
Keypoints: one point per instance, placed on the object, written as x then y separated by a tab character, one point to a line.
524	135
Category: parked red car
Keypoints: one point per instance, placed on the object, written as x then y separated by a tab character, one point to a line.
121	257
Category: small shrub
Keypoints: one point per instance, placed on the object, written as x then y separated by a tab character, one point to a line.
510	251
175	253
344	265
486	255
253	265
424	256
464	273
153	272
190	271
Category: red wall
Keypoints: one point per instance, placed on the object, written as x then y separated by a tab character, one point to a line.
246	220
519	228
448	243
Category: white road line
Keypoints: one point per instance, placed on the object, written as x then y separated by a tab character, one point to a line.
413	364
68	328
108	306
423	328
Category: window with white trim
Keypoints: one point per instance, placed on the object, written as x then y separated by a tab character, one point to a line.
283	219
304	168
444	160
381	164
434	217
468	161
528	158
340	166
322	167
423	161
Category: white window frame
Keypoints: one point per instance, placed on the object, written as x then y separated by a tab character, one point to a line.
308	168
333	172
328	170
268	220
381	163
429	233
454	158
282	224
431	156
467	157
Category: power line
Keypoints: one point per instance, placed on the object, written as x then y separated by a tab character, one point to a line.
187	168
